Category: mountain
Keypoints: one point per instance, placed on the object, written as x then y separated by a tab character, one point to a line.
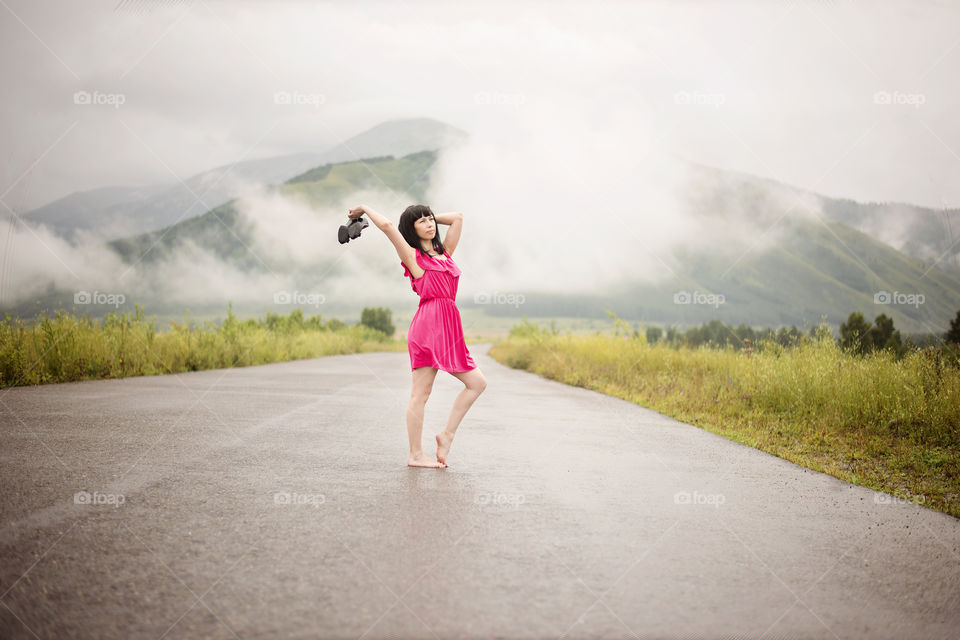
315	189
774	255
770	254
119	212
164	205
932	236
812	265
230	238
92	210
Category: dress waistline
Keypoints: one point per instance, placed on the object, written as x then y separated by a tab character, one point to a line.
422	300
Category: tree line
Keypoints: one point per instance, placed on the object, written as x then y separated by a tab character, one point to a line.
857	335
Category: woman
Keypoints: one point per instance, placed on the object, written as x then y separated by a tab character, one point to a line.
435	339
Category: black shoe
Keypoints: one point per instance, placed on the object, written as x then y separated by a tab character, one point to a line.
351	231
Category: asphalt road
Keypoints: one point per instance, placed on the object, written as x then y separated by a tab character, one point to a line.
275	502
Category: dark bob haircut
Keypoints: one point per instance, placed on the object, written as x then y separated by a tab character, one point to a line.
407	219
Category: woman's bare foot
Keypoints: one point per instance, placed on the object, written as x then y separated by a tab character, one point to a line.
444	440
423	460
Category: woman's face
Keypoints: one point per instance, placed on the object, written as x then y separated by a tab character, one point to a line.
425	227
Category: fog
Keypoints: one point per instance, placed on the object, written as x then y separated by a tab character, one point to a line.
582	118
583	218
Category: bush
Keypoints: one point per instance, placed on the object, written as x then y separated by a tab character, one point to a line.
379	318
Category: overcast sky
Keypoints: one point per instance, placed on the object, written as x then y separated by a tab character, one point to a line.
848	99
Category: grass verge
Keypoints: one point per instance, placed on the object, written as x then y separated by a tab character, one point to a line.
887	424
71	347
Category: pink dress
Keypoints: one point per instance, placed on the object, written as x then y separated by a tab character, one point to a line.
435	338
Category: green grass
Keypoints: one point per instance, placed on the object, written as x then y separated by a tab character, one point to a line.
891	425
69	347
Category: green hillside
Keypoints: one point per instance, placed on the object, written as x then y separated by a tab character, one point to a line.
928	235
815	268
224	233
811	265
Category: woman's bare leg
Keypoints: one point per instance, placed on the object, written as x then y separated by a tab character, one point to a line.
423	378
474	384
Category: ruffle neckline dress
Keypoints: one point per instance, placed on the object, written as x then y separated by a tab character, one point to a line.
435	338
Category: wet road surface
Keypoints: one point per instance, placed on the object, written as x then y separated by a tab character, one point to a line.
275	501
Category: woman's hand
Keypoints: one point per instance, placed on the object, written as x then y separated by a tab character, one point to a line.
375	217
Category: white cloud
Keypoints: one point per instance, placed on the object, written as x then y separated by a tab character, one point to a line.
797	80
577	113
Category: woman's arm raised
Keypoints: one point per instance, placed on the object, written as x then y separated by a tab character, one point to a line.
448	218
404	250
452	237
378	220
